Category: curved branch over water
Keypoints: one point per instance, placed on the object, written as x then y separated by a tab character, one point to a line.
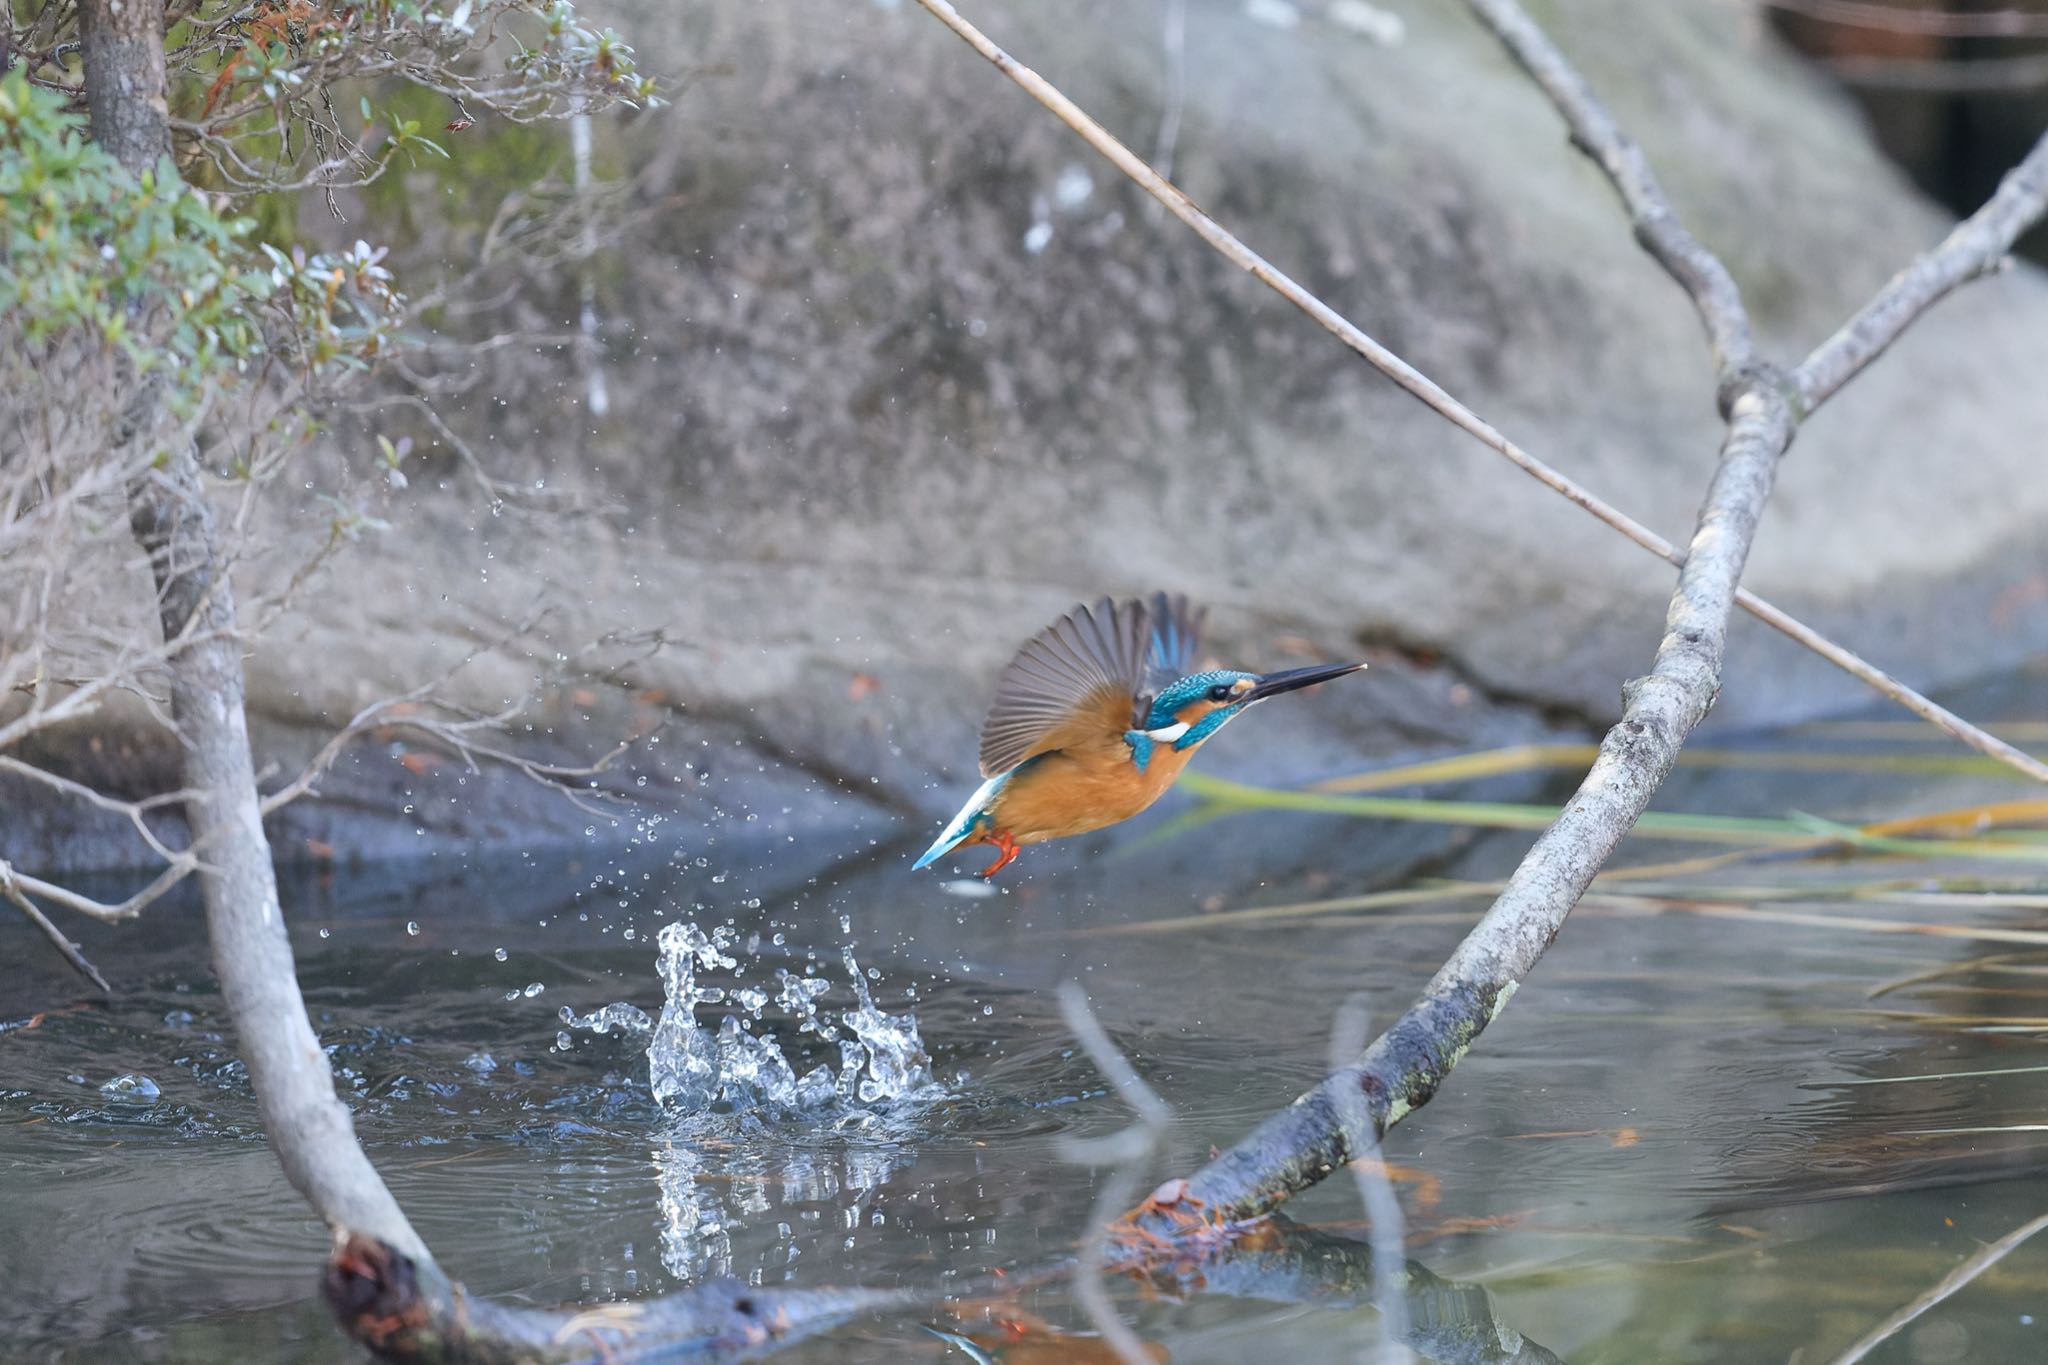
1450	1322
1322	1130
1403	1068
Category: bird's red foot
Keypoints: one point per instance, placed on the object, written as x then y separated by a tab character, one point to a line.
1010	850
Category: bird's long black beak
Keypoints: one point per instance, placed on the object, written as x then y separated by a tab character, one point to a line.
1273	684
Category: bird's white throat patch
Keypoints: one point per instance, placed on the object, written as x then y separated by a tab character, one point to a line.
1167	734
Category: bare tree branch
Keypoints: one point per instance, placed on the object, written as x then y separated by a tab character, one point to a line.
1976	1265
1698	271
2024	72
1931	20
1389	1233
183	866
309	1128
1400	1071
1977	246
1433	396
406	1309
11	888
1127	1150
134	810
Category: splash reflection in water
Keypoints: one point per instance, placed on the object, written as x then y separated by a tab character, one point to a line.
720	1085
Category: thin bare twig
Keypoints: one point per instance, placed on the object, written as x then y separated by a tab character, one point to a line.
2024	72
1389	1237
1698	271
1956	1279
1928	20
1174	46
1977	246
181	867
1433	396
134	810
71	952
1126	1150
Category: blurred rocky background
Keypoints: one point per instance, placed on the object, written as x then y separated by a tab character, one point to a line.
896	370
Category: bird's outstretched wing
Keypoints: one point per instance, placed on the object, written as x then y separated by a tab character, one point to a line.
1091	674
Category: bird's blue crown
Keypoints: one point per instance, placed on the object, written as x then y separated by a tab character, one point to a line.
1215	685
1219	685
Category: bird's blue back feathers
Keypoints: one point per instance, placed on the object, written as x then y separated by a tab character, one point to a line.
966	822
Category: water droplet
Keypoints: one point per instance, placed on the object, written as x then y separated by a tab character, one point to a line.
327	933
500	954
131	1087
532	990
412	928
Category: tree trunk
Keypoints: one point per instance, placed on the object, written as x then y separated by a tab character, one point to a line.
309	1128
123	42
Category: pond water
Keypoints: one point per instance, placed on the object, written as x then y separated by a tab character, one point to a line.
1688	1139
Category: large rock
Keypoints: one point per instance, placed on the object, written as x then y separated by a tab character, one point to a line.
901	370
873	418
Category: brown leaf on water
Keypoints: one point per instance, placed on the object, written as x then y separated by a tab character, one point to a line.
1616	1137
1016	1337
1426	1190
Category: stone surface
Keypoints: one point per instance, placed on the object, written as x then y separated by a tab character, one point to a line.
901	370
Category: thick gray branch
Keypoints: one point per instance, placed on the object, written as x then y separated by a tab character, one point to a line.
1977	246
1311	1138
308	1126
1698	271
408	1310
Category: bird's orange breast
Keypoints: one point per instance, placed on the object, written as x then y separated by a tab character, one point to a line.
1073	791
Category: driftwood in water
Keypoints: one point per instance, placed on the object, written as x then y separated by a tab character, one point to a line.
407	1310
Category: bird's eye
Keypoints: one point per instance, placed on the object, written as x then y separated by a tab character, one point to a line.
1220	692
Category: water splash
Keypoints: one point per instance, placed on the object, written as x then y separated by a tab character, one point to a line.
620	1018
719	1166
733	1069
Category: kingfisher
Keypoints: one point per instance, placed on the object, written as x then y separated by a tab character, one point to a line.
1095	718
